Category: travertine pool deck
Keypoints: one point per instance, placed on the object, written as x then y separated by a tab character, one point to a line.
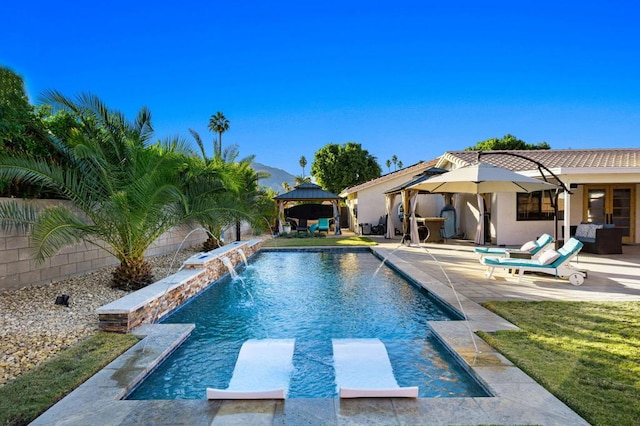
516	398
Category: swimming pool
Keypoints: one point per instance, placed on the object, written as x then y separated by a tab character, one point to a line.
311	297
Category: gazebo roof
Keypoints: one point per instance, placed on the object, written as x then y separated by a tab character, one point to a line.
427	174
307	192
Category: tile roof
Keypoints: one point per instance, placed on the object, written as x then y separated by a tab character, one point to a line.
407	171
553	158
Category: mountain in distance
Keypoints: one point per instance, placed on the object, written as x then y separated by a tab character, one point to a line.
277	177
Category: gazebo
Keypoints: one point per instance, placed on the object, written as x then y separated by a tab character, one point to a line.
308	192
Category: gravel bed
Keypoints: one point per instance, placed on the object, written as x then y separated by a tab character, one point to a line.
33	327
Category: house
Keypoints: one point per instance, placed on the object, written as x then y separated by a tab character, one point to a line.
602	185
366	201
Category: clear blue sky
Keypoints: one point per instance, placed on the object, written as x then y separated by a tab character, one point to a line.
412	78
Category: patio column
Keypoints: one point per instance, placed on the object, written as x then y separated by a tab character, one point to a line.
480	228
566	225
336	214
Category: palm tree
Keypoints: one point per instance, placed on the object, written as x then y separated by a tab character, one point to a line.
301	179
399	164
388	163
124	192
394	160
237	196
219	124
286	186
303	164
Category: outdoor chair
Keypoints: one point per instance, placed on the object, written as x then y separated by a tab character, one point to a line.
302	226
552	262
323	225
532	248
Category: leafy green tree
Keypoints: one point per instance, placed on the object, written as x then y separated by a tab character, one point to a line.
336	167
18	123
21	131
507	143
125	193
219	124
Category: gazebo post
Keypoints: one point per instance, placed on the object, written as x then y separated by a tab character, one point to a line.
336	212
405	210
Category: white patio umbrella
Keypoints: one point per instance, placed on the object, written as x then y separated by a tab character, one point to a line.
482	178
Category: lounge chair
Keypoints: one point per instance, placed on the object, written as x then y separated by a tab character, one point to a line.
262	371
550	262
534	248
363	370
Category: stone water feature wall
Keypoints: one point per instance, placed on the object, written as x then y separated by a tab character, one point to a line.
153	302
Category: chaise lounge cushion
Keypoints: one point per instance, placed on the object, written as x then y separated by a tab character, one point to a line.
548	257
528	246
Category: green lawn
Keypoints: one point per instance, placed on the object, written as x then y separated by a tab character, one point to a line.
587	354
308	241
31	393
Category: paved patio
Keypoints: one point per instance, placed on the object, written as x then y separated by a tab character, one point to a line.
450	271
611	278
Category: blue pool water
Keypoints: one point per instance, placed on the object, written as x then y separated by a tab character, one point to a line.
311	297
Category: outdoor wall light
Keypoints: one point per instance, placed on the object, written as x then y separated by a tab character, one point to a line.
63	300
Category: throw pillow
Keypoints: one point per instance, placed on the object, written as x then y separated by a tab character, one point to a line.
582	230
591	233
528	246
548	257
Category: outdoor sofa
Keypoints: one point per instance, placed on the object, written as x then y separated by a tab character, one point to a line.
598	238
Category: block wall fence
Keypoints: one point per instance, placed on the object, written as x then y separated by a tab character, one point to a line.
19	270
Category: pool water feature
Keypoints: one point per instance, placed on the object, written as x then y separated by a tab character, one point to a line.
311	297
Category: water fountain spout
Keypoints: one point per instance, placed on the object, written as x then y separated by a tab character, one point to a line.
227	262
244	257
455	293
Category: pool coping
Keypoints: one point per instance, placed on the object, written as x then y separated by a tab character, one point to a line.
515	397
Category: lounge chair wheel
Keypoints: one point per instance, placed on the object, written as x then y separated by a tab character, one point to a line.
576	279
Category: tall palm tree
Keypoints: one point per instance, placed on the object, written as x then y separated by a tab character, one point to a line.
240	198
394	160
219	124
124	192
303	163
388	163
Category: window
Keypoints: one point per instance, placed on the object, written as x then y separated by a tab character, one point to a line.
535	206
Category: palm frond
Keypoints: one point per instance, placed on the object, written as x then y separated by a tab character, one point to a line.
15	216
57	227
